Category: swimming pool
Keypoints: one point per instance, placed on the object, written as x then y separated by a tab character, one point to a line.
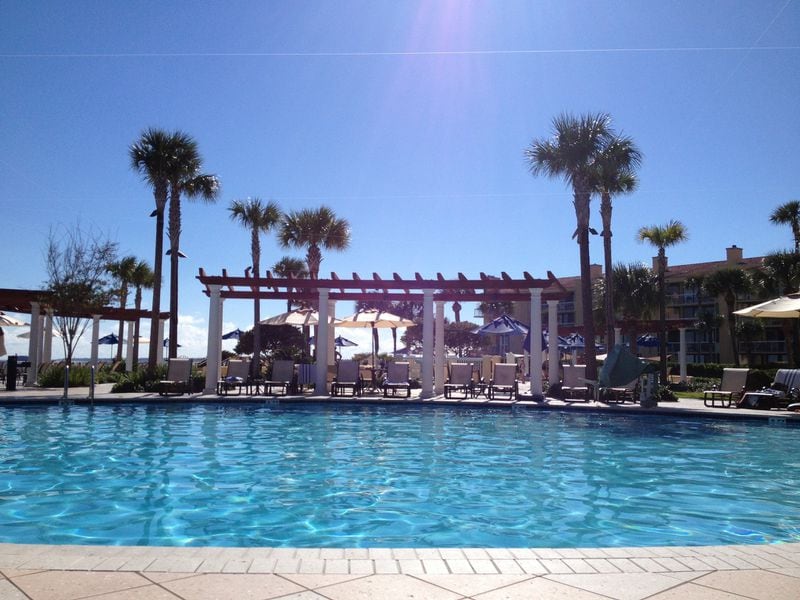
322	475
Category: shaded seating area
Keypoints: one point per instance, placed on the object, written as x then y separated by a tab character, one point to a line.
459	381
282	378
347	378
619	378
730	388
234	378
504	381
784	390
179	378
574	385
397	380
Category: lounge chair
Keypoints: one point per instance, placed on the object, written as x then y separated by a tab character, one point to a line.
622	393
235	377
179	378
730	389
460	380
396	380
784	390
574	386
306	374
282	378
504	381
346	379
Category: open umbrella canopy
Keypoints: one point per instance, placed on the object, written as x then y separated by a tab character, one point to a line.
9	321
339	341
647	341
562	343
26	335
785	307
503	325
621	367
300	316
108	339
375	319
233	335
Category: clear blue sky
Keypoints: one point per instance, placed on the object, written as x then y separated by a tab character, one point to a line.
408	118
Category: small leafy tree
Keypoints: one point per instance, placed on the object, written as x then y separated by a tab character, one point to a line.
277	341
77	262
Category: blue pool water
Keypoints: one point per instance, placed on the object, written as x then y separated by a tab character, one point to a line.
349	476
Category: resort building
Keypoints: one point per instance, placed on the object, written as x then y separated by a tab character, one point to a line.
710	344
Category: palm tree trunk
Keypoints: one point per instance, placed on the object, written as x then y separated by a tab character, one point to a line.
137	303
255	250
581	202
662	316
730	305
174	241
156	308
605	212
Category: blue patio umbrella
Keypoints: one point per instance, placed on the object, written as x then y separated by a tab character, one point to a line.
110	339
647	340
337	341
562	343
233	335
503	325
166	343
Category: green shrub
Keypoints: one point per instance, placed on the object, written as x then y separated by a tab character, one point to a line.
53	376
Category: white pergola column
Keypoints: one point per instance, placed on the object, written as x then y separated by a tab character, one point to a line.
160	343
682	354
95	338
536	342
214	347
332	338
427	344
438	351
553	356
617	337
129	348
47	349
323	343
34	345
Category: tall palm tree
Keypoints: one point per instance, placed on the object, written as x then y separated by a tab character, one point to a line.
142	278
729	283
289	266
789	214
779	275
122	271
152	157
258	218
185	178
615	175
662	237
572	153
314	229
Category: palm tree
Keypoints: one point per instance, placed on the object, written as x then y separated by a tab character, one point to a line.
729	283
152	157
572	154
142	278
663	237
615	175
314	229
257	217
636	295
122	271
184	178
789	214
289	266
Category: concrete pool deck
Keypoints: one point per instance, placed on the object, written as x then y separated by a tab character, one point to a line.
53	572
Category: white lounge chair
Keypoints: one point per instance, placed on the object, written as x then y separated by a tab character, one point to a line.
460	380
730	388
346	379
179	378
235	378
504	381
282	378
574	386
396	380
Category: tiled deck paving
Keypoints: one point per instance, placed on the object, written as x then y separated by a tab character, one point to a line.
39	572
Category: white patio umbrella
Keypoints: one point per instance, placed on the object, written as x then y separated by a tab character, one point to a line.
784	307
26	335
301	316
9	321
374	319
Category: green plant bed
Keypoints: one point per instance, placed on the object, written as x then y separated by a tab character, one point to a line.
687	394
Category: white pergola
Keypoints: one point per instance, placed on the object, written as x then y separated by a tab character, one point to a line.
432	293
